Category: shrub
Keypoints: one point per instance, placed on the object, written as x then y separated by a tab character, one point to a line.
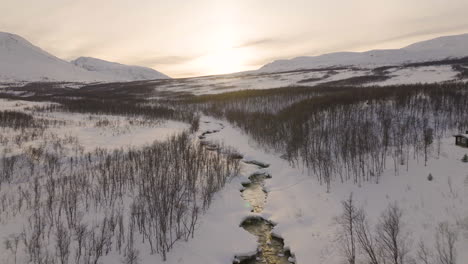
465	158
430	177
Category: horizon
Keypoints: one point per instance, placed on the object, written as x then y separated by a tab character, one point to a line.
236	72
188	39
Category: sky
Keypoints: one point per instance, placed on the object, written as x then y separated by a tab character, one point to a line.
185	38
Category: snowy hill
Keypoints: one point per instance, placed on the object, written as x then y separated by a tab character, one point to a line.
431	50
131	73
22	61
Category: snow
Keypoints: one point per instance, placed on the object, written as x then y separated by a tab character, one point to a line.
22	61
90	131
301	208
14	105
222	84
431	50
427	74
219	236
304	212
120	134
128	73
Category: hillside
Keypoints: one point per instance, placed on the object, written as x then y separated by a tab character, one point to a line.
113	69
430	50
20	60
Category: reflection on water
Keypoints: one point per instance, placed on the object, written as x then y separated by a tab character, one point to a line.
271	248
254	194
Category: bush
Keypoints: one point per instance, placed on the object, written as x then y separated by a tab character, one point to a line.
430	177
465	158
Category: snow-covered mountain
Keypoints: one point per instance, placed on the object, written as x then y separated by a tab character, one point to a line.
430	50
131	73
22	61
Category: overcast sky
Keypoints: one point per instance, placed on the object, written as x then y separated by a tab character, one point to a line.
200	37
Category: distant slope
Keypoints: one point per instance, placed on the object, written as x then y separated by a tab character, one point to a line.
435	49
22	61
130	73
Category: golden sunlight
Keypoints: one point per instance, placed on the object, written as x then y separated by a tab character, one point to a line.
224	61
224	55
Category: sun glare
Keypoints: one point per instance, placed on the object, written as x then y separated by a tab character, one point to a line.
225	61
223	55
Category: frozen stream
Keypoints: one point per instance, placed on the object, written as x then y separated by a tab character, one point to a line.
270	247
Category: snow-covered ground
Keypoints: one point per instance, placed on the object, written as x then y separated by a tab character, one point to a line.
89	131
302	209
221	84
118	71
429	74
105	131
229	83
305	212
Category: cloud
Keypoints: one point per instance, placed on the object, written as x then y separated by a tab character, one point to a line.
164	60
260	42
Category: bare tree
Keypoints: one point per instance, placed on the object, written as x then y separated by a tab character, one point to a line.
346	236
80	236
445	244
131	253
428	139
63	239
390	235
12	243
424	254
365	238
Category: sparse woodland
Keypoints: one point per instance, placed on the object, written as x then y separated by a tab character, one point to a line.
73	206
344	133
79	208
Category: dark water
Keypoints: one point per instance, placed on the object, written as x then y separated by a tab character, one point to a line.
254	194
270	248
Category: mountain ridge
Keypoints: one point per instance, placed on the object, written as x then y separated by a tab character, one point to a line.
440	48
20	60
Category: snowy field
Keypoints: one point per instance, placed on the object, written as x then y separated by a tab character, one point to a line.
229	83
46	152
88	131
429	74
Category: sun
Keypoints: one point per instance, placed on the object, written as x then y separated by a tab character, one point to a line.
227	60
